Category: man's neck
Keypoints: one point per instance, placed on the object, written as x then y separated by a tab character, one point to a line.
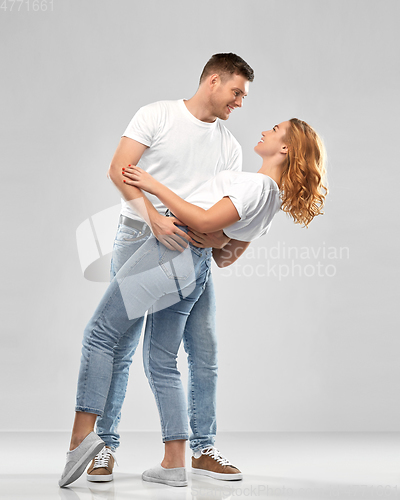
199	109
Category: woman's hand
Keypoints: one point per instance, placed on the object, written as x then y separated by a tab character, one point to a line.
216	239
136	176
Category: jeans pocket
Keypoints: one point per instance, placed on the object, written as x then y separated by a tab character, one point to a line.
177	265
126	234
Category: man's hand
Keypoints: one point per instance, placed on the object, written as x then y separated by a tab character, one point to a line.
210	240
165	230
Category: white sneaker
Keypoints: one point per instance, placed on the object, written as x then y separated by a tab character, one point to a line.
78	458
171	477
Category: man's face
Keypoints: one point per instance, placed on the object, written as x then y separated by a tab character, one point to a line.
228	95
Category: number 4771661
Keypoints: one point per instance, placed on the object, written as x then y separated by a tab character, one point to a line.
27	5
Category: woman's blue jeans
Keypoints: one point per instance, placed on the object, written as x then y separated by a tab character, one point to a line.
175	288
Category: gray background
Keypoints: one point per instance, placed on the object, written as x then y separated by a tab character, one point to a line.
297	353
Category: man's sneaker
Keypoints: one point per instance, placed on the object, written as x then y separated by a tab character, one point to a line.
101	468
211	463
78	458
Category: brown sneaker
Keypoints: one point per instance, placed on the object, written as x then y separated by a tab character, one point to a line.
101	468
211	463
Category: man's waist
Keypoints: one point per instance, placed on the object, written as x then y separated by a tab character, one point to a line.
127	211
133	223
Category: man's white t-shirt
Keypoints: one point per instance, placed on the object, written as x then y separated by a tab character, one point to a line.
255	196
183	152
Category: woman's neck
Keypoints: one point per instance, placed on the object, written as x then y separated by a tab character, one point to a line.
272	170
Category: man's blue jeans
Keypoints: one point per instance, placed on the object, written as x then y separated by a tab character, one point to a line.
192	318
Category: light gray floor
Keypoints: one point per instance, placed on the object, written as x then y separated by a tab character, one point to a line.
275	465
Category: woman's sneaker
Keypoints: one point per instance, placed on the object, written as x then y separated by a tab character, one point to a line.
210	462
171	477
101	468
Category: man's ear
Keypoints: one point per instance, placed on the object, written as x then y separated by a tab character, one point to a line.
214	80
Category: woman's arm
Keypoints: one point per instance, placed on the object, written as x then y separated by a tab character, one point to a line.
230	253
220	215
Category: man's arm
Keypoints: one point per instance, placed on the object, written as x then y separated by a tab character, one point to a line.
230	253
127	153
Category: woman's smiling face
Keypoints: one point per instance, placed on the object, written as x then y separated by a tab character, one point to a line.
272	141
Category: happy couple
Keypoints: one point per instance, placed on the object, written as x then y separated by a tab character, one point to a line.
186	201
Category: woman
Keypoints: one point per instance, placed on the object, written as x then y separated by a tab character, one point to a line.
291	178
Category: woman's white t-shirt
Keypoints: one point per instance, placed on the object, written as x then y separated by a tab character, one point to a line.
255	196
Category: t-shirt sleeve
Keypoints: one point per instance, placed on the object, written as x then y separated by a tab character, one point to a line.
231	158
257	201
236	160
144	125
247	197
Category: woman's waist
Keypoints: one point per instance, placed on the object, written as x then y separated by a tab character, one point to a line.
196	249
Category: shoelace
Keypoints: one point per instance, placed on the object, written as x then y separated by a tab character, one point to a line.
103	457
216	455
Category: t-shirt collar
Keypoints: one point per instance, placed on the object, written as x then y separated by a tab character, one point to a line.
195	120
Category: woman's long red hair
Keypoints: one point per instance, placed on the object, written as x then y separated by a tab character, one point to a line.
303	182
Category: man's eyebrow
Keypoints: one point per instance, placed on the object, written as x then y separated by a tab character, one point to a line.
240	90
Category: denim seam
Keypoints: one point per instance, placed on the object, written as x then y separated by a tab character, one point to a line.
206	279
196	250
151	381
132	240
190	360
174	437
89	348
193	403
192	391
200	446
87	409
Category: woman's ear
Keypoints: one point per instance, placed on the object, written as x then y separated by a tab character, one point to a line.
284	149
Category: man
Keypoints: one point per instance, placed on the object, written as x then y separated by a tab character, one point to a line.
183	144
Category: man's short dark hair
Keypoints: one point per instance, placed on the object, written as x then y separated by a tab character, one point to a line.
227	65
